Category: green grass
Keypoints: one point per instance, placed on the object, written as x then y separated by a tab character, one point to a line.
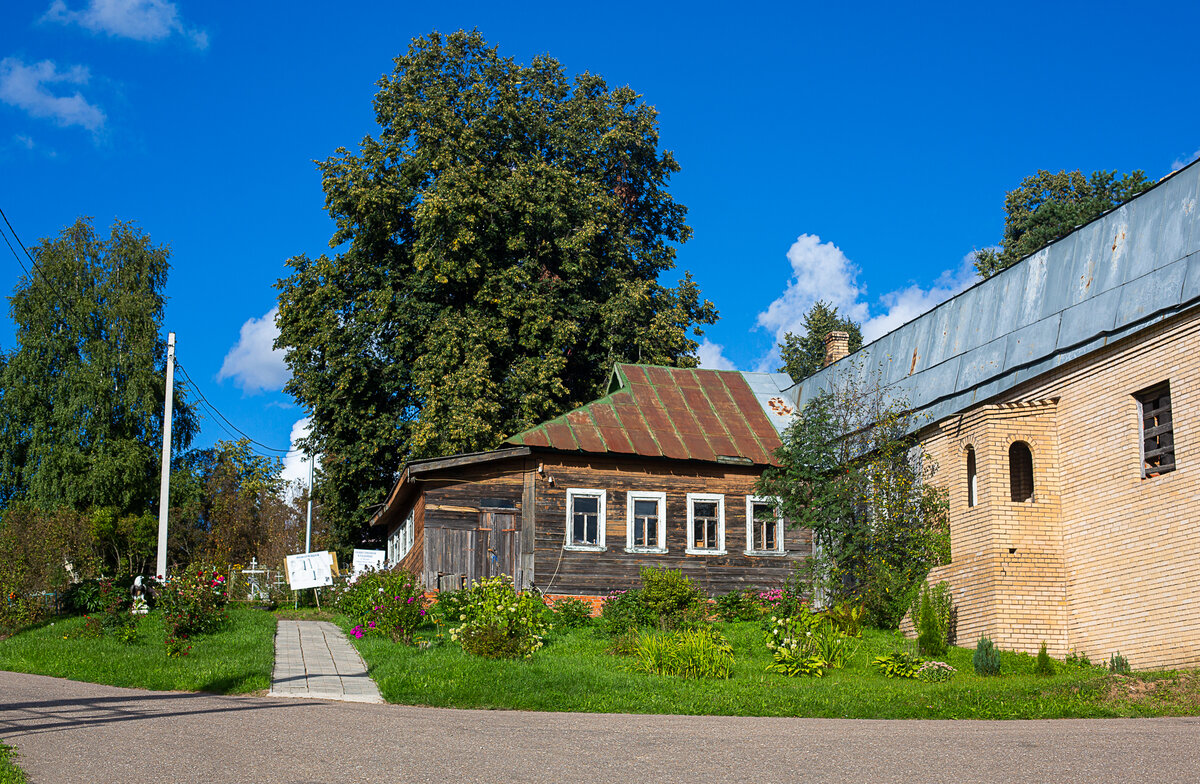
574	673
235	660
9	772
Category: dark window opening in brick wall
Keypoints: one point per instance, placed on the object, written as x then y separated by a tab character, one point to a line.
1020	471
1157	434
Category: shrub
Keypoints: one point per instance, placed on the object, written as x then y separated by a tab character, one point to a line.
739	606
691	653
987	658
390	604
1118	664
1044	664
847	618
192	602
496	621
931	613
1078	659
935	672
802	641
793	596
795	662
898	664
572	613
623	611
672	600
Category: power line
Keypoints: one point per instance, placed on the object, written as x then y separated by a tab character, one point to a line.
192	383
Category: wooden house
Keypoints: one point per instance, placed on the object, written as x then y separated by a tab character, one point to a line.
659	472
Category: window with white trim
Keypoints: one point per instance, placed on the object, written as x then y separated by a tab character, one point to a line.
764	526
401	540
706	524
585	519
645	522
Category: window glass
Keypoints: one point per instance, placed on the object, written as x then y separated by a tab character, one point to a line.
704	525
972	477
765	527
645	523
585	516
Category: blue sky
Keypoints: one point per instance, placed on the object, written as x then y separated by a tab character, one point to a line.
853	152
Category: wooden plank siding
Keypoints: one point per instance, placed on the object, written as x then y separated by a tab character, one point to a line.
505	516
563	571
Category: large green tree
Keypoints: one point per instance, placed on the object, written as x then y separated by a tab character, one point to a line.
82	405
499	245
804	355
1048	206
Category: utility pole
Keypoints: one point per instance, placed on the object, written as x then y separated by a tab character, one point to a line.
308	524
164	488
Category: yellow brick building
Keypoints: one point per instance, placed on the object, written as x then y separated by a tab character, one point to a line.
1063	397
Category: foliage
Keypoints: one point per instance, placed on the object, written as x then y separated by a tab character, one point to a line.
987	658
898	664
1047	206
498	622
389	603
82	405
1078	659
1044	665
935	672
931	615
690	653
572	613
847	618
501	242
192	602
807	642
850	471
671	600
9	772
804	355
1118	664
739	606
41	553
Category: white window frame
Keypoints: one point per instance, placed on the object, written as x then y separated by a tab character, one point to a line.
751	540
401	540
645	495
692	498
572	492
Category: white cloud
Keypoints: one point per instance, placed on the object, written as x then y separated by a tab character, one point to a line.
23	140
254	363
27	87
295	464
1179	163
904	305
820	271
712	357
141	20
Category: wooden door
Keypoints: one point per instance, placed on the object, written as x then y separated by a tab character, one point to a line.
497	544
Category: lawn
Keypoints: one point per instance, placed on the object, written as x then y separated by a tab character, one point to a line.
235	660
9	772
573	672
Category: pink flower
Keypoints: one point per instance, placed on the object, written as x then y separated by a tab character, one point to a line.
422	612
410	599
371	624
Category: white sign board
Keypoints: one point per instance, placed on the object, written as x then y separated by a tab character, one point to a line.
310	570
365	560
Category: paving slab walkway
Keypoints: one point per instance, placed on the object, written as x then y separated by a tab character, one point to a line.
314	660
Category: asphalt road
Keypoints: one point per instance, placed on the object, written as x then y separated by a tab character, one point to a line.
80	732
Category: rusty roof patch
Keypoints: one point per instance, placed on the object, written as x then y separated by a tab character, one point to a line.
678	413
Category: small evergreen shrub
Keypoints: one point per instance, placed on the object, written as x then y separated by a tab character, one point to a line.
987	658
1044	665
692	653
1118	664
931	614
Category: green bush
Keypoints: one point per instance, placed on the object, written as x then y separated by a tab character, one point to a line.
1044	664
801	642
898	664
691	653
987	658
193	601
794	662
847	618
1118	664
672	600
497	621
739	606
624	611
572	613
931	614
387	603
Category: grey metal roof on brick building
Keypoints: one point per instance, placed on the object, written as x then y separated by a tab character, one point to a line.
1124	271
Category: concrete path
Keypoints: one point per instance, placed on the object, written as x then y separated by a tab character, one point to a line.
313	659
80	732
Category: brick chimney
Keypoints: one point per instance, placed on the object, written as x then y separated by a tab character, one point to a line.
837	345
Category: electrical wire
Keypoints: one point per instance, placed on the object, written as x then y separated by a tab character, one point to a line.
195	388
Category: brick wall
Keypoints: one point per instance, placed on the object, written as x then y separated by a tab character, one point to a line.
1101	559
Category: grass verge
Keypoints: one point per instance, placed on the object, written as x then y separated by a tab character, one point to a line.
9	772
573	672
235	660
